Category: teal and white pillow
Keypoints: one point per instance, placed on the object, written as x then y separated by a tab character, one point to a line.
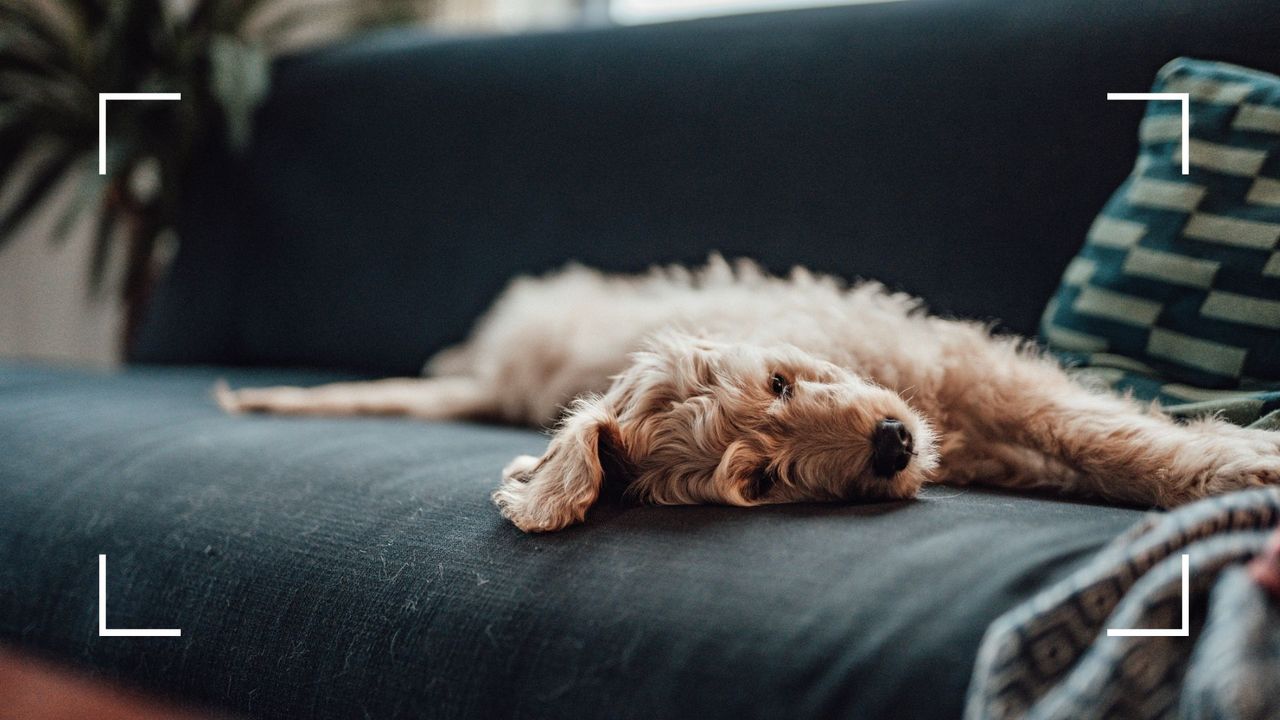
1179	277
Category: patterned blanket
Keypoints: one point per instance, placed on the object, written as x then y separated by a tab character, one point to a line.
1053	658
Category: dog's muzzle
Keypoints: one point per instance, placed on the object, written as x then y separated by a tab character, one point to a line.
891	447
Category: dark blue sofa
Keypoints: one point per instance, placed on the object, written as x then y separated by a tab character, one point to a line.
356	568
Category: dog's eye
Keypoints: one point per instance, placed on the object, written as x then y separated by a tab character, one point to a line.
781	387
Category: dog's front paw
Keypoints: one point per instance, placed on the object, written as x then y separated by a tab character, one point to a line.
520	469
532	499
1264	442
1252	472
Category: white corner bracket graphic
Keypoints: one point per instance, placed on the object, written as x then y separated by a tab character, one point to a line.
1185	99
1183	631
102	118
103	630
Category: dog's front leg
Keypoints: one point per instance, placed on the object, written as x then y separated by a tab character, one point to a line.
1119	449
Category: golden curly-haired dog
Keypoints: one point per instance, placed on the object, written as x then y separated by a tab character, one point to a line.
728	385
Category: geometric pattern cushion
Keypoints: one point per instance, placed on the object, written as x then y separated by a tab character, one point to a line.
1250	404
1180	274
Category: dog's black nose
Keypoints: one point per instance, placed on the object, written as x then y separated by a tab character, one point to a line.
891	447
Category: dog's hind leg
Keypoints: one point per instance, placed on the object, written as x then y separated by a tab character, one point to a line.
423	398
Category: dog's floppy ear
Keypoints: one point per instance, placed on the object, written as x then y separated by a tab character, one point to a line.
554	491
743	473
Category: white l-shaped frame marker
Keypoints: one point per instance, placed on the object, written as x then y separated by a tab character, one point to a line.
1183	631
102	118
104	631
1185	98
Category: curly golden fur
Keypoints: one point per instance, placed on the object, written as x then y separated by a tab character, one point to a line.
729	385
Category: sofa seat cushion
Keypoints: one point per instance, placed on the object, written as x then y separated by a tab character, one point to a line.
355	567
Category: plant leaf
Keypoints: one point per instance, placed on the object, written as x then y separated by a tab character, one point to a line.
277	24
10	153
104	234
88	195
28	23
43	178
240	77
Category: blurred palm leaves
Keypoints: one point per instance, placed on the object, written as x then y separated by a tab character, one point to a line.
57	55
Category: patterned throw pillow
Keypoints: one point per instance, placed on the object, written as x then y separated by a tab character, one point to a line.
1179	279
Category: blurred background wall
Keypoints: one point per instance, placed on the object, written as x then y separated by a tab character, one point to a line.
46	307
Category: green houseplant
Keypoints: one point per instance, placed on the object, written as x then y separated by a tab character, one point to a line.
57	55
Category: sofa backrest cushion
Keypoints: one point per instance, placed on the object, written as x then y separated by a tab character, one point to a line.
958	150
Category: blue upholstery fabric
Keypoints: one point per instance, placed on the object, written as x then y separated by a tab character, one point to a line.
1182	272
353	568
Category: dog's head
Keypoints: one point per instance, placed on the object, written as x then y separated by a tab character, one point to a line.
695	421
